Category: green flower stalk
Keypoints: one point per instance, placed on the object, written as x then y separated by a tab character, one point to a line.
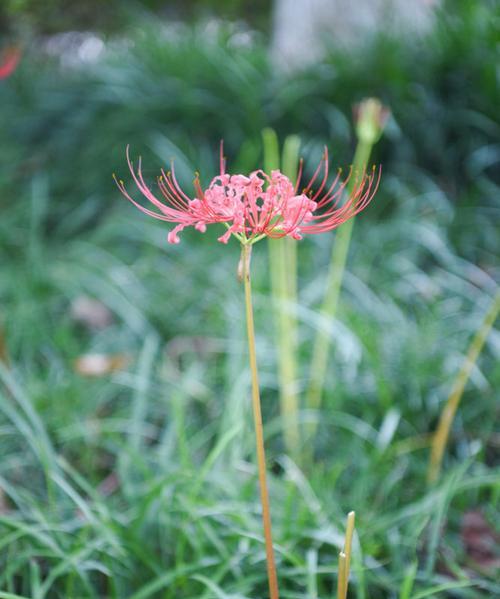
283	275
246	252
370	118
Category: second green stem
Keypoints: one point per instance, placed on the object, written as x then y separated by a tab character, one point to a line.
328	308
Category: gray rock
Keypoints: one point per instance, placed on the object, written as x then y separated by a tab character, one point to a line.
302	29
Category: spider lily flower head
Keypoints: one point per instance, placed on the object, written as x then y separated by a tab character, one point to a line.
258	205
8	61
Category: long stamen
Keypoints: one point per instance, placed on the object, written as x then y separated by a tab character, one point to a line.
121	187
177	186
169	196
337	194
316	172
325	177
299	175
175	190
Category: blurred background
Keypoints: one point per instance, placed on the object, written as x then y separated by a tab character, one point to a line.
125	431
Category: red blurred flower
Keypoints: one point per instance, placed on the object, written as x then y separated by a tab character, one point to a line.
258	205
9	61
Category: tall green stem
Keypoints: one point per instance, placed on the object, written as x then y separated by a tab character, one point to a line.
370	119
282	253
289	167
448	414
335	275
283	275
246	251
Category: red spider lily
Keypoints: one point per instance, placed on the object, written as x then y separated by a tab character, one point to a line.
259	205
10	60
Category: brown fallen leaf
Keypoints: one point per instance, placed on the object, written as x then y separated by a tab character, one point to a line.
480	540
109	485
4	356
90	312
96	365
4	504
180	345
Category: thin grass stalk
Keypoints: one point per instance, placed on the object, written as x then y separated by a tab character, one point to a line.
246	251
283	274
440	438
345	558
328	308
351	519
341	583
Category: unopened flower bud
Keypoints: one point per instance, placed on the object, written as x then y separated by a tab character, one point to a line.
370	117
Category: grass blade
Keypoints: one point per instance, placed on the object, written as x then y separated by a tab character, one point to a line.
448	414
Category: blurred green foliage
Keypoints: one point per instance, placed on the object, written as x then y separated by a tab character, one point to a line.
189	88
54	16
142	482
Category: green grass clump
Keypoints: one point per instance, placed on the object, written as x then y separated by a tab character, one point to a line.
142	484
